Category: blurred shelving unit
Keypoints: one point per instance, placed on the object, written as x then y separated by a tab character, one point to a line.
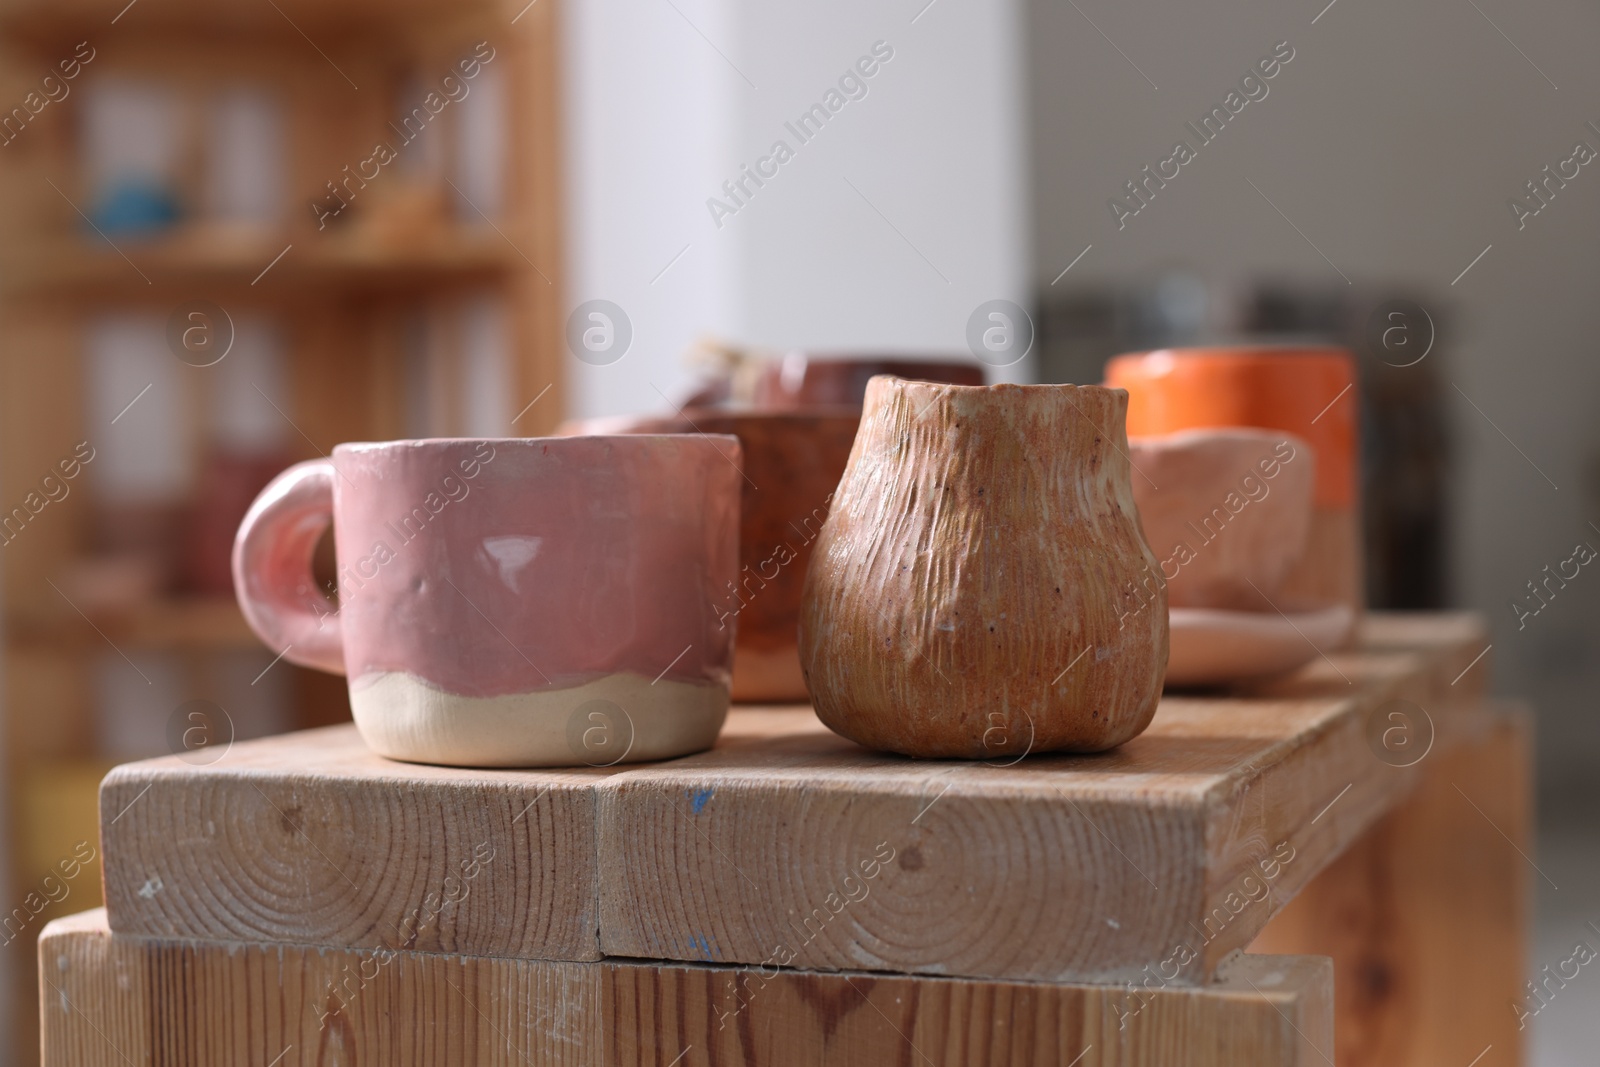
188	178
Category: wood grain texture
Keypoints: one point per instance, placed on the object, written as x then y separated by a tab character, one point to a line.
536	223
1426	916
788	845
312	838
112	999
1169	852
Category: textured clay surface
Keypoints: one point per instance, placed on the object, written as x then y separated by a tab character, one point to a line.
981	588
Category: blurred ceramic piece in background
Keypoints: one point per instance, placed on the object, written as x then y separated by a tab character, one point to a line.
228	481
827	379
134	144
1226	512
1211	647
505	603
726	373
1306	391
981	588
792	464
113	583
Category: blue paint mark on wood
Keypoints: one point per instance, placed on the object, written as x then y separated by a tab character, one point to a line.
698	800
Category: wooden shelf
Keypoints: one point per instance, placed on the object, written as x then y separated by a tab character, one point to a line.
374	322
89	267
49	24
197	623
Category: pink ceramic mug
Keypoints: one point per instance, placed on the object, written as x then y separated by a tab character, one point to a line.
523	602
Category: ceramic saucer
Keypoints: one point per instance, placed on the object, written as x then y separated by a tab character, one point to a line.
1212	647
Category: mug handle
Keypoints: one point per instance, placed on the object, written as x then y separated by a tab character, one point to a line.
272	567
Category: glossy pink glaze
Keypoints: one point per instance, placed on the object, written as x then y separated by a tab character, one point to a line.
505	566
272	567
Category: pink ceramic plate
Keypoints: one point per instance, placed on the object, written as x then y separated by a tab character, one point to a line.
1211	647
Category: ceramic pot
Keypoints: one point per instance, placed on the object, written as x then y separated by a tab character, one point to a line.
1308	392
792	464
1226	512
530	602
981	588
823	379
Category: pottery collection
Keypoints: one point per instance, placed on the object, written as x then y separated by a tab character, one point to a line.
981	588
942	569
527	602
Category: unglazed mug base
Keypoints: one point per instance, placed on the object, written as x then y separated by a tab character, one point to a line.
405	718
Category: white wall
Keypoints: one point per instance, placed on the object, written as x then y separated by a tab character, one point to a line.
934	151
660	116
648	121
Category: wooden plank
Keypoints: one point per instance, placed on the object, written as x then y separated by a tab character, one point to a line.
536	220
787	842
1426	916
1170	852
310	837
116	999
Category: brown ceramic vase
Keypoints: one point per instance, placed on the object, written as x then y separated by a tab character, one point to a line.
792	464
805	380
981	588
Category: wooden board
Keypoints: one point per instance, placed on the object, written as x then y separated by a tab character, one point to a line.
1056	869
1426	917
310	837
788	845
120	1000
